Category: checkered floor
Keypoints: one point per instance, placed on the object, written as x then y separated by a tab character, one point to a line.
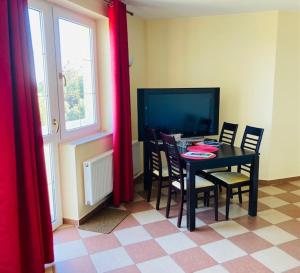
148	242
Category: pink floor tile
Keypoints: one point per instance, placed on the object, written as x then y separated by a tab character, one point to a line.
100	243
289	197
204	235
128	222
245	264
161	228
148	250
292	248
208	216
250	242
66	234
192	260
127	269
292	227
290	210
286	187
138	206
78	265
252	223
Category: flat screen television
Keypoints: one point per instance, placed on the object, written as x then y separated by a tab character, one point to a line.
189	111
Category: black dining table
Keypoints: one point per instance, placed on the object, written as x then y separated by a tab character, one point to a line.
226	156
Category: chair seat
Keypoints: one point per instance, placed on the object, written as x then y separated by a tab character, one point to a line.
231	178
165	172
223	169
200	183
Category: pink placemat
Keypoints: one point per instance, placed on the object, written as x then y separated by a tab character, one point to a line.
202	148
197	158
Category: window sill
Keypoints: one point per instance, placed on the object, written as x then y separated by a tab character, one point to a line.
89	139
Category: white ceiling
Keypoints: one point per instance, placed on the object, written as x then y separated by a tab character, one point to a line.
185	8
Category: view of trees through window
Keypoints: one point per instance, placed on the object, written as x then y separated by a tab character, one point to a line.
74	94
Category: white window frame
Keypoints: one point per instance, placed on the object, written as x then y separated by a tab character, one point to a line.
83	20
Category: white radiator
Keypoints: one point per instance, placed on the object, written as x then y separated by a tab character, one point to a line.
98	174
98	182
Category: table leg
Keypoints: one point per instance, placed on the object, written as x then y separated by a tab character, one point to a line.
191	197
252	211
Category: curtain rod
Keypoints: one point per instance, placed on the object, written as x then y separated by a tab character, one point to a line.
109	3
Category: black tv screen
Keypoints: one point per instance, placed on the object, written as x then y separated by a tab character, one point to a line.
189	111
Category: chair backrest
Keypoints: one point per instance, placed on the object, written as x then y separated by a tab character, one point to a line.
155	156
251	141
173	159
228	133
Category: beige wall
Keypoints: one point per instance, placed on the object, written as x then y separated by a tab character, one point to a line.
286	113
255	60
234	52
137	54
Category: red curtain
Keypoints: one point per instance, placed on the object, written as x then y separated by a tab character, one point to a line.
122	140
26	242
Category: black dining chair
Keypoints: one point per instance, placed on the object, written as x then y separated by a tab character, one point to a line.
177	179
251	141
157	171
227	136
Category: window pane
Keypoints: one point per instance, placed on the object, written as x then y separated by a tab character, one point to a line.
39	53
77	65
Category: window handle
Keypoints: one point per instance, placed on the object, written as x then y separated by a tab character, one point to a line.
63	77
55	123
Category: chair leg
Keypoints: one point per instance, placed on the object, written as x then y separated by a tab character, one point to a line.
149	190
180	210
208	197
216	193
204	199
159	186
228	197
240	195
169	200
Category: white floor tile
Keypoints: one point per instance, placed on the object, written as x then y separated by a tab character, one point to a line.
160	265
223	251
274	235
132	235
297	192
149	216
274	216
273	201
275	259
228	228
87	234
214	269
111	259
175	242
235	211
271	190
69	250
198	222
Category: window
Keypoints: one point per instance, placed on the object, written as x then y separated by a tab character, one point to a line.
64	46
65	67
77	66
75	38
